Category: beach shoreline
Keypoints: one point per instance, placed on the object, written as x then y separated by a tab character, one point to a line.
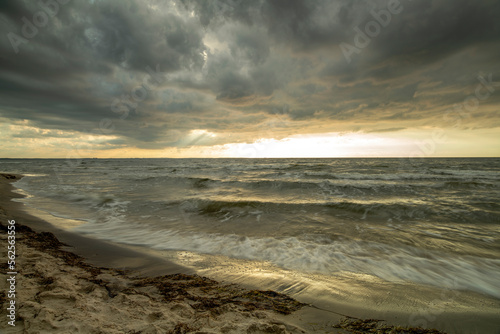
58	291
125	280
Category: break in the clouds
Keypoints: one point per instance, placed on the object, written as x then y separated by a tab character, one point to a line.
166	77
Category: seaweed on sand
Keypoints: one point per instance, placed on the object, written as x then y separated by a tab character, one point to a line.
48	243
209	295
354	325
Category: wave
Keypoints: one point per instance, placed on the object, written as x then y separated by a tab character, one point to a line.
409	210
467	185
91	199
393	176
327	256
400	211
361	184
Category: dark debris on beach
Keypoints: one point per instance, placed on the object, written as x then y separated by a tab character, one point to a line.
48	243
209	295
354	325
10	176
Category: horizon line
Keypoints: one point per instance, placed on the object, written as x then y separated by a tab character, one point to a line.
368	157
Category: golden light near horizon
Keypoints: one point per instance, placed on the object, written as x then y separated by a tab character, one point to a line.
423	142
316	146
416	143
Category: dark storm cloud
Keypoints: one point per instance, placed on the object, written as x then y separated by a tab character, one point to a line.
423	33
227	65
252	45
87	55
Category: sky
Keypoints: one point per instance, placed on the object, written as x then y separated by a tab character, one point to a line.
240	78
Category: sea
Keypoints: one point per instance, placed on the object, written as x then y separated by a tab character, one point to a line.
433	222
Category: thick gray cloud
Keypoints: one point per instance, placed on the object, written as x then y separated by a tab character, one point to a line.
233	65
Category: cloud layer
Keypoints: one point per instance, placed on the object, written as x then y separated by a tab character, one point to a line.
153	74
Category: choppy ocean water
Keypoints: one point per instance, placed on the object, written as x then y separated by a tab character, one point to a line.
427	221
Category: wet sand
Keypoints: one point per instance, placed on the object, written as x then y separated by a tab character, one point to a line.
96	252
67	289
67	283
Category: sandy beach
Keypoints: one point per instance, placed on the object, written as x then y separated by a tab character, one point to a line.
65	283
59	292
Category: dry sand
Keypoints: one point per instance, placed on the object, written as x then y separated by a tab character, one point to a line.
58	291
